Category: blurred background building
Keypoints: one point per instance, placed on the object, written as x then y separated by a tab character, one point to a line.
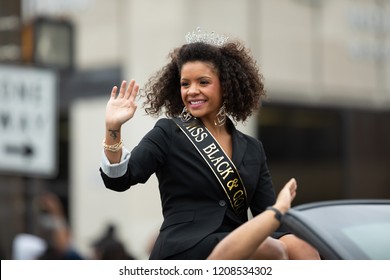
326	122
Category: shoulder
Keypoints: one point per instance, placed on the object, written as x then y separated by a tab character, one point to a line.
248	138
164	127
161	135
165	123
252	144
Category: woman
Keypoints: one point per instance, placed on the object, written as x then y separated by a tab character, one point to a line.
209	173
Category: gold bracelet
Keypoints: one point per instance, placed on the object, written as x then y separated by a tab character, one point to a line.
113	148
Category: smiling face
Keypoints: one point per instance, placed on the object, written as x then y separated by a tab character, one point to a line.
201	90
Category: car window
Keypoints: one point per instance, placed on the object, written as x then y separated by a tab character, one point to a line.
378	246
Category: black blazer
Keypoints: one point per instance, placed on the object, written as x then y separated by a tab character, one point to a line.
193	202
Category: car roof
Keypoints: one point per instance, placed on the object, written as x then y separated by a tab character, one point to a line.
326	203
337	228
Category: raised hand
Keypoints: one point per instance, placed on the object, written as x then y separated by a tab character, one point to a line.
286	196
122	106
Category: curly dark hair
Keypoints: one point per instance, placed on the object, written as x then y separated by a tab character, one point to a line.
240	78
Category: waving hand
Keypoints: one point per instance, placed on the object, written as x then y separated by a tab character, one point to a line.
121	106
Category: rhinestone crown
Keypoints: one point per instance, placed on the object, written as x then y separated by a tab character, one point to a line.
209	38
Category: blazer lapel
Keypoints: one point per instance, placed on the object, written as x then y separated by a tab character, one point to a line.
239	147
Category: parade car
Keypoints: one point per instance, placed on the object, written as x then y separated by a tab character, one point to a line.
343	229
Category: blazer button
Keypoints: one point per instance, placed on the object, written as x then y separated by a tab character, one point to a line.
222	203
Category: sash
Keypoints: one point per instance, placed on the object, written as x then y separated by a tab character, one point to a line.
219	163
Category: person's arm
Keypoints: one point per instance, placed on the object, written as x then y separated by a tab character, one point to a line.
55	221
242	242
120	108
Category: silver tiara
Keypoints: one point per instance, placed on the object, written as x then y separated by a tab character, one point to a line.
209	38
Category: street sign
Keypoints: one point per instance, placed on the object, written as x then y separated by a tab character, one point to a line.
28	121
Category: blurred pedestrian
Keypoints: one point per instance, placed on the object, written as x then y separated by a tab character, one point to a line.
109	247
55	230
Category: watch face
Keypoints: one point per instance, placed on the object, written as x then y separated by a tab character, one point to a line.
53	44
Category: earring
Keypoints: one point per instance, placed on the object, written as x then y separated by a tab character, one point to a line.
220	118
185	116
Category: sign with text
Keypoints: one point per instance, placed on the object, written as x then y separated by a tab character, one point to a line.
28	121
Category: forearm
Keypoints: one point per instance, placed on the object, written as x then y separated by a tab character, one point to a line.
112	144
243	241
